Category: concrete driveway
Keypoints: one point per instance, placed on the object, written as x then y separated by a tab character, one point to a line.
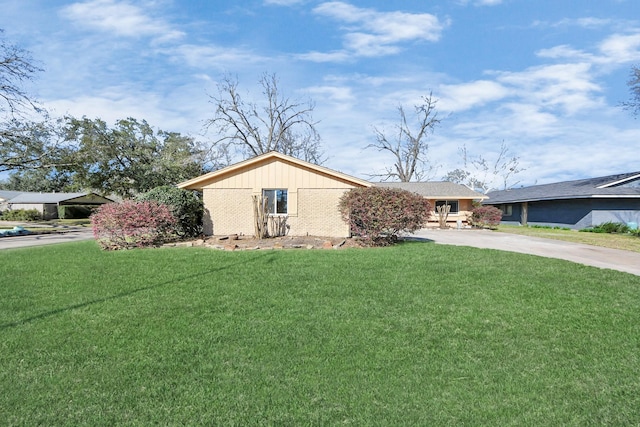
72	235
595	256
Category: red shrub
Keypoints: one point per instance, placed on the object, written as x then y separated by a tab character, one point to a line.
486	217
132	224
380	214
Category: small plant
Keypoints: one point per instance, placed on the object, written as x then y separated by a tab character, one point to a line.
443	214
609	227
486	217
21	215
133	224
378	214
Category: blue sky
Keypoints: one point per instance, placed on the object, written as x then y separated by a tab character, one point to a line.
546	77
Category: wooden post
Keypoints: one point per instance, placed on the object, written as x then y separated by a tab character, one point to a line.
524	214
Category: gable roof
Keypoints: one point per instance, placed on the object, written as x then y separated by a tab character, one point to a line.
611	186
441	190
6	195
26	197
201	181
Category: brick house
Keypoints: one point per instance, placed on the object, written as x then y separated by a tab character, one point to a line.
303	194
307	194
459	198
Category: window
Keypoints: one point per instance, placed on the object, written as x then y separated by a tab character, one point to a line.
452	203
276	201
507	210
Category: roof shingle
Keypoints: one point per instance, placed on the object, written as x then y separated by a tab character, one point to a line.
604	186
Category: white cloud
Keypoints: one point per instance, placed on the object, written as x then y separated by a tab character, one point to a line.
621	48
569	87
585	22
565	52
335	56
182	109
120	18
469	95
215	57
373	33
340	98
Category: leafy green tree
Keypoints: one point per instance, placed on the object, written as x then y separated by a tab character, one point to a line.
185	205
45	180
131	157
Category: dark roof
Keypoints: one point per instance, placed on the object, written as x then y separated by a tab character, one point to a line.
626	185
442	190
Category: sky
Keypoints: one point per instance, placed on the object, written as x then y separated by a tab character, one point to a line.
544	77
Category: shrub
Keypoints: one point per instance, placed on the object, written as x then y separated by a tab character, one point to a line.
21	215
486	217
132	224
74	211
185	206
379	214
608	227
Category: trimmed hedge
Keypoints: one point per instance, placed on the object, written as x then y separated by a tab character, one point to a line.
486	217
21	215
379	214
132	224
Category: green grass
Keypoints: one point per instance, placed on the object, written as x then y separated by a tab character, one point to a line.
418	334
625	242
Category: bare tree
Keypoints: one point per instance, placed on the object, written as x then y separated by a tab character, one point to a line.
634	87
16	68
278	124
25	143
409	147
482	174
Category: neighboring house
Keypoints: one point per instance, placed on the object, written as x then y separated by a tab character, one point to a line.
574	204
304	194
458	196
47	203
5	196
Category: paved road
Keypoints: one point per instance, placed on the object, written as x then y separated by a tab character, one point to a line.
45	239
595	256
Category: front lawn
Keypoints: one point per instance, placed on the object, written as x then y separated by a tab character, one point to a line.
625	242
419	334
